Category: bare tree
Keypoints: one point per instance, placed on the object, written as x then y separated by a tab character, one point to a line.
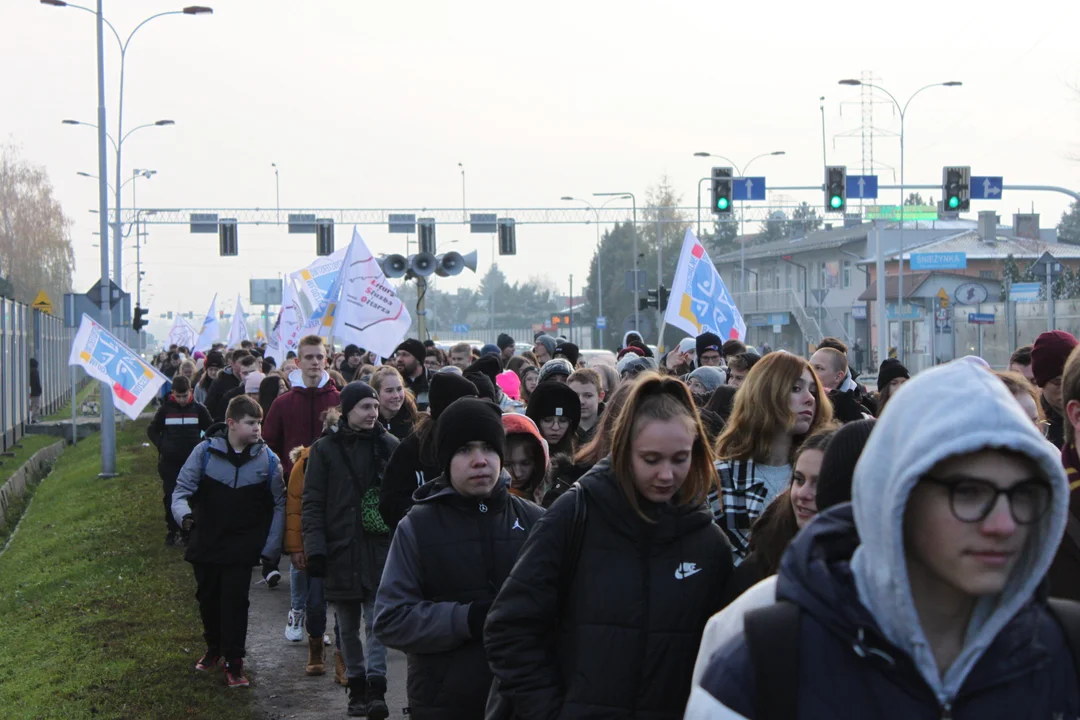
35	235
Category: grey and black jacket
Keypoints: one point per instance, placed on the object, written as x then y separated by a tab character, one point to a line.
236	499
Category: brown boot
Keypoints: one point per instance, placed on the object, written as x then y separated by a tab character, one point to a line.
315	663
339	669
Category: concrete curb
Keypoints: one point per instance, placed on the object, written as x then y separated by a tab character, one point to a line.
34	469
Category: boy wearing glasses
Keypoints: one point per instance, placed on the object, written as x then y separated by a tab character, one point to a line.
925	597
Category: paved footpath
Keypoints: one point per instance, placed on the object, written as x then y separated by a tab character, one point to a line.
281	688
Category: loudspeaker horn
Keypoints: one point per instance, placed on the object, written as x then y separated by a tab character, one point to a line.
449	264
422	264
394	266
470	260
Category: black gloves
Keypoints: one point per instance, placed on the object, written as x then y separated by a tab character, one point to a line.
316	566
478	611
187	523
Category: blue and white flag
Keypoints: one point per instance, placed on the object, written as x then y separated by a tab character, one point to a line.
238	332
134	383
210	331
317	279
700	302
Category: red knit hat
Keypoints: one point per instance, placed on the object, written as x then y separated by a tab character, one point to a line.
1048	355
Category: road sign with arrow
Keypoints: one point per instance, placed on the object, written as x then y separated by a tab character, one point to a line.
986	187
748	188
862	187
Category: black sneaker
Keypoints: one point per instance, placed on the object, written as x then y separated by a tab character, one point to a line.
358	701
170	539
272	579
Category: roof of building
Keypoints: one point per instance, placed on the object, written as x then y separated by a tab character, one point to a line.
971	244
912	282
818	240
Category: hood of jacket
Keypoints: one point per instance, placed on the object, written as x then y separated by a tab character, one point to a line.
296	381
672	522
516	424
950	410
218	438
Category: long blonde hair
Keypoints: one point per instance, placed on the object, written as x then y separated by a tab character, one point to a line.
763	408
655	397
378	379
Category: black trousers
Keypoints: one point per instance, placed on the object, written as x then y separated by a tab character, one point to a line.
223	605
168	475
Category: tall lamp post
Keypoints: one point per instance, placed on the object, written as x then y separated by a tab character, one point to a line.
123	45
902	109
742	206
599	273
633	234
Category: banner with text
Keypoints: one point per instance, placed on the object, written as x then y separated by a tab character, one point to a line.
97	351
369	314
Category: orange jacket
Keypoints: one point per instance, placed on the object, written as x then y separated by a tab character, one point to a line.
294	531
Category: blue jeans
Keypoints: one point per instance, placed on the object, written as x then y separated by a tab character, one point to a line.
358	662
306	594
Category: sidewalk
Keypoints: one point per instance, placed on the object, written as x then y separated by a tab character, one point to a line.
281	688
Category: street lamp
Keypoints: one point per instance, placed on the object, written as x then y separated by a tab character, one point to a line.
599	255
742	206
903	201
633	235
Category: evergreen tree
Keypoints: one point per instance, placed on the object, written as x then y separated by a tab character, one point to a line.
1069	227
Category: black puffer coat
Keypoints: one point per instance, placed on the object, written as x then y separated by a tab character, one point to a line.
405	473
626	641
343	465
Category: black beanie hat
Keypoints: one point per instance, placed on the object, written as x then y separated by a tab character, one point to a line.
484	387
414	347
214	359
707	341
569	351
351	350
444	389
891	368
554	399
488	365
504	341
838	464
353	393
464	421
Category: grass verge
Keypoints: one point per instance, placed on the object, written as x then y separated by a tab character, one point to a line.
64	413
97	618
29	445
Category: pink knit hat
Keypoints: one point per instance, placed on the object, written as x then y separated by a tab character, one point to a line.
510	384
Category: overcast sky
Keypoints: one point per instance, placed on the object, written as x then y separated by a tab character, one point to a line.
370	105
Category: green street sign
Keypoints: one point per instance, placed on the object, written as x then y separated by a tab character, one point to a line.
892	212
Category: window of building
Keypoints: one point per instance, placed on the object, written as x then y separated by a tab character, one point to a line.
847	274
986	274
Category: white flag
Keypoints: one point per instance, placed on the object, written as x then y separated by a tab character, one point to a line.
238	332
105	358
316	280
700	302
182	334
369	313
210	331
286	333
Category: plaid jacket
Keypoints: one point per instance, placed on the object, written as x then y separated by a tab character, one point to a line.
739	503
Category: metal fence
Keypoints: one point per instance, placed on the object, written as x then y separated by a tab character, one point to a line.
26	333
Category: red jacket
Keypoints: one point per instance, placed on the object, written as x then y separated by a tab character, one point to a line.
295	418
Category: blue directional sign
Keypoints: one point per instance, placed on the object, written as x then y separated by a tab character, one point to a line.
939	261
985	187
862	187
461	328
601	322
748	188
980	318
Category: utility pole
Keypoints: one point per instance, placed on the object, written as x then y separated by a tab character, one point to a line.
570	304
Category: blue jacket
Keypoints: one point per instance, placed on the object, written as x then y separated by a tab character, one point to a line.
863	650
237	501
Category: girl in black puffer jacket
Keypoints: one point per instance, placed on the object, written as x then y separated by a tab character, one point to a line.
609	628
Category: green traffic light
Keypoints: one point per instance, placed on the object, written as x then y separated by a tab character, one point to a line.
836	202
722	204
954	202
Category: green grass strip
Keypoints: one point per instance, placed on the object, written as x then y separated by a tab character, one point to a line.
97	618
64	413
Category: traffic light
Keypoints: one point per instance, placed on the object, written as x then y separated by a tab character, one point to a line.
664	295
651	300
721	190
835	188
324	237
956	189
138	322
507	236
426	233
227	246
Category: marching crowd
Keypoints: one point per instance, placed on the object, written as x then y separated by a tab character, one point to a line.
713	533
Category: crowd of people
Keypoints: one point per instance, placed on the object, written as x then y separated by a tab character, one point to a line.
715	532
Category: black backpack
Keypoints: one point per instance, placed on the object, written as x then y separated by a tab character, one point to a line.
772	637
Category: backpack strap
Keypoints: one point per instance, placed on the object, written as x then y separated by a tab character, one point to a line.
772	636
573	548
1067	613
